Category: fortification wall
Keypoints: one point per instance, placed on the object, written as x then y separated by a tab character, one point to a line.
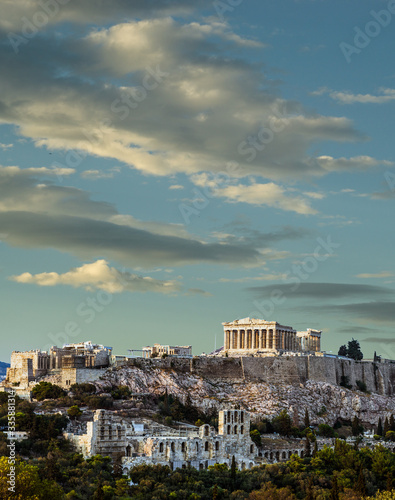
378	377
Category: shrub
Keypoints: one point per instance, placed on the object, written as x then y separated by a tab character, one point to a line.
344	382
46	390
326	430
361	385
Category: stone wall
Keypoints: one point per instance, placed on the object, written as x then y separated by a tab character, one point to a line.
378	377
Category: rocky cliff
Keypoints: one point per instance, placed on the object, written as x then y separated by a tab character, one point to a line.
264	386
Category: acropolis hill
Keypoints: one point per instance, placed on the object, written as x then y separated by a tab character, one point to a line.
263	367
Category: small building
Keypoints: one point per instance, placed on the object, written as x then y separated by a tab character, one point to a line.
158	350
310	340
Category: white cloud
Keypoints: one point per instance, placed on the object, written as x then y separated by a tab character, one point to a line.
270	194
386	95
357	163
215	103
4	147
100	276
96	174
382	274
176	186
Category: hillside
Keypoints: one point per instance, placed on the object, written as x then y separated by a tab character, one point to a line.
3	369
263	396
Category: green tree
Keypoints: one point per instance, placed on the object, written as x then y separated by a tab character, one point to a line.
354	350
326	430
342	351
28	484
356	426
256	437
74	412
306	419
380	431
386	426
307	447
46	390
283	423
233	471
390	436
392	423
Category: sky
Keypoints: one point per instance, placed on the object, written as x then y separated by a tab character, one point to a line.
166	166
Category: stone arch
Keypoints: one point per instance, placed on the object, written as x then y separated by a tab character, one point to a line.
183	447
206	446
228	430
252	448
277	455
242	429
251	465
197	446
173	446
160	447
243	466
206	430
201	466
128	451
284	456
235	429
217	446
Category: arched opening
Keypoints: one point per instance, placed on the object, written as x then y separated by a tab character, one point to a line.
183	447
284	455
277	455
242	417
206	430
128	451
173	447
252	448
216	446
197	446
206	446
228	430
201	466
242	429
271	455
235	430
302	454
160	447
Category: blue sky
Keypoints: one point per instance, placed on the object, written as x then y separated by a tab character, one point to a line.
167	167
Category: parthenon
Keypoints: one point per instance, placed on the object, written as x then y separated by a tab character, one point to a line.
257	335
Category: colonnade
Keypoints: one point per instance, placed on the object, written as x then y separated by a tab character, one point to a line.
255	339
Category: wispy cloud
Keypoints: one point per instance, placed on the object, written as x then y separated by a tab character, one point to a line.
385	95
382	274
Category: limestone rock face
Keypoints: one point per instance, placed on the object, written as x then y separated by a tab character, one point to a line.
325	401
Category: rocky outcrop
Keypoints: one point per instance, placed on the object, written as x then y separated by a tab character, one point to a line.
325	401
